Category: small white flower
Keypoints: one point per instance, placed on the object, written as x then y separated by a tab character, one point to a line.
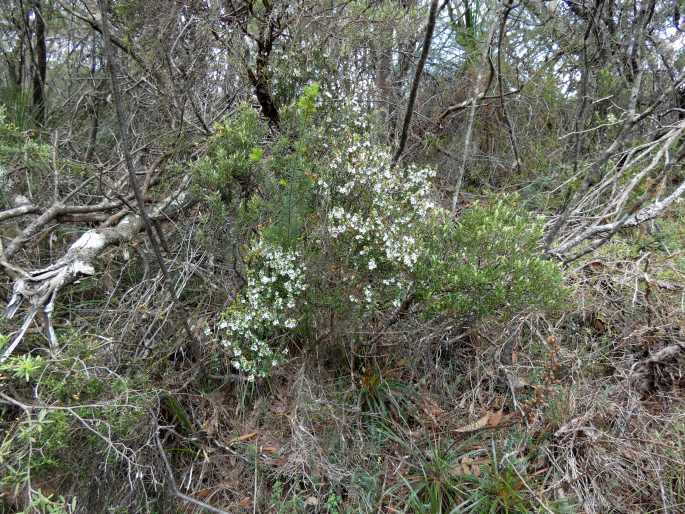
372	265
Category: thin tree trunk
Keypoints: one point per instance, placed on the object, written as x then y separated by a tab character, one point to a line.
123	135
417	78
40	66
467	147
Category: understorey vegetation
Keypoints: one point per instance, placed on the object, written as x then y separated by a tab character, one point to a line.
342	257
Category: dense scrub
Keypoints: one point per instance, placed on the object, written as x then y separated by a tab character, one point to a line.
293	257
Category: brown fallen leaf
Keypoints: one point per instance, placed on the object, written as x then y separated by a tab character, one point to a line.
495	418
491	419
469	466
203	493
432	409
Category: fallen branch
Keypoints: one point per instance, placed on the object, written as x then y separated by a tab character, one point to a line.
641	216
56	210
41	287
21	210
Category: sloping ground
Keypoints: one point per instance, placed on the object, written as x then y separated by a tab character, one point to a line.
581	413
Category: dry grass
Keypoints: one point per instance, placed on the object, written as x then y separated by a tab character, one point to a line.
575	397
585	408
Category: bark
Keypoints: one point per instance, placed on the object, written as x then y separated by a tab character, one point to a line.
260	77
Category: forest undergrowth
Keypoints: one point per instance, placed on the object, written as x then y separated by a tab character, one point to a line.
418	256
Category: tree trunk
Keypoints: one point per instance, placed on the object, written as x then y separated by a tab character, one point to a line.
40	65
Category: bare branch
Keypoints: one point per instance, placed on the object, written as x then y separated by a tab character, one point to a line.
41	287
417	78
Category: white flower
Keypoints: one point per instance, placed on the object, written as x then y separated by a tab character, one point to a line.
368	294
372	265
290	323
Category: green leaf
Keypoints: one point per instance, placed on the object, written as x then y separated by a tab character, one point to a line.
256	154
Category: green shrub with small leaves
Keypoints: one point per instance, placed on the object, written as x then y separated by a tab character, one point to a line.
76	410
23	367
232	163
48	504
488	263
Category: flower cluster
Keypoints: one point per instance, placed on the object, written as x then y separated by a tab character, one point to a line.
266	308
374	213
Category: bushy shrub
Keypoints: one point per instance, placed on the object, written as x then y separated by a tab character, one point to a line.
231	165
80	413
340	238
487	263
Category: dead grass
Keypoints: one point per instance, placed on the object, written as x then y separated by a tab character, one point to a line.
582	411
597	424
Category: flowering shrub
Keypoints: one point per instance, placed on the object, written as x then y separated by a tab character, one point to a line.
344	238
373	215
267	307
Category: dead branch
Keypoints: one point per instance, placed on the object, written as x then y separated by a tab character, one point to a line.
41	287
615	206
16	212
